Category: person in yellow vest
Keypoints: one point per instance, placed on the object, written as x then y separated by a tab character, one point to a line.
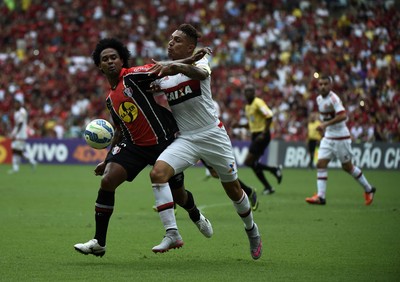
313	136
259	119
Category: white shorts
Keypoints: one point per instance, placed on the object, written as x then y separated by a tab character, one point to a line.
213	146
339	149
18	145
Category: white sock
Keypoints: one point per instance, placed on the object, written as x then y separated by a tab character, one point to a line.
359	176
244	210
322	179
165	205
29	158
16	161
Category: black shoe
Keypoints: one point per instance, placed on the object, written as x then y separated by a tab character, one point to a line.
278	174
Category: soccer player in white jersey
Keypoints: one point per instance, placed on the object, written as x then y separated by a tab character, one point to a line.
19	135
202	134
336	142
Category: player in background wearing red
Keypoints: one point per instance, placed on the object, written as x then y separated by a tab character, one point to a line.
336	143
143	130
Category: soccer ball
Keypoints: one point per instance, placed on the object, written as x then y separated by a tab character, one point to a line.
99	133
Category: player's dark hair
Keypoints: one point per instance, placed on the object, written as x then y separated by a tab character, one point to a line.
190	32
326	76
115	44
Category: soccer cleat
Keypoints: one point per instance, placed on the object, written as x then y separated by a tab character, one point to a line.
205	227
278	174
91	247
268	191
253	200
171	240
255	242
315	200
369	196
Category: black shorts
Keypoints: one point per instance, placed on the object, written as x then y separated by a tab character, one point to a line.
258	146
135	158
312	145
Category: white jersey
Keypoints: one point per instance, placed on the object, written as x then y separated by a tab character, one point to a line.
190	100
328	108
20	117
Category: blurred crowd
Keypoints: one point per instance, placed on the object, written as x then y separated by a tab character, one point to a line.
279	45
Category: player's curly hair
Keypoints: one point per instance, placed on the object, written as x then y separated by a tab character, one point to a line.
190	32
115	44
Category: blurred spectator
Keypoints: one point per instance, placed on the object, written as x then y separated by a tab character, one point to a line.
279	45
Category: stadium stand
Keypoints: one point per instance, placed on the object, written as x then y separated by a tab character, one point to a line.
45	49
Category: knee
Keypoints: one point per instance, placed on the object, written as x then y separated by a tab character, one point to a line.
158	175
347	168
107	183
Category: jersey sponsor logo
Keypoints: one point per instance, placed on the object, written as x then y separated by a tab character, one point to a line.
182	94
232	168
128	111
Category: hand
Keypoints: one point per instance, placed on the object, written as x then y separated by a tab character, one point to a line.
154	87
321	128
201	53
259	138
99	170
163	68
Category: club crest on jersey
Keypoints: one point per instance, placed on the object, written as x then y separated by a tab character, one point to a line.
128	92
116	150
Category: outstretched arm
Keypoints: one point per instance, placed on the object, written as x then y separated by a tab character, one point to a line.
184	66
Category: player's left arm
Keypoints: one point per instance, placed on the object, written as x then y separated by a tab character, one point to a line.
267	113
192	71
339	117
194	66
16	130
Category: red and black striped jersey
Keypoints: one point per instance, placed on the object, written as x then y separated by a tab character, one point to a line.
136	113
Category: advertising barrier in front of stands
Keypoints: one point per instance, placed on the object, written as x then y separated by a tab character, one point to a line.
289	154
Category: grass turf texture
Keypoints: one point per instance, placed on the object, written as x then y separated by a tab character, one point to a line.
44	213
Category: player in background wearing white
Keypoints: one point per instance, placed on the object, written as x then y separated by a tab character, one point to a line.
202	134
336	142
19	135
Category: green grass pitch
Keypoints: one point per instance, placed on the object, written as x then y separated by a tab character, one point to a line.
44	213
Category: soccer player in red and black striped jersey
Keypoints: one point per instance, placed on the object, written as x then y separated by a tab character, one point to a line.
143	130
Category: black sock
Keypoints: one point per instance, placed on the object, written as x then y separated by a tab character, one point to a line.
103	210
245	188
191	208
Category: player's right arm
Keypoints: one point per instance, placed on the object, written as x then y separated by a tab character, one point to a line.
16	130
99	170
